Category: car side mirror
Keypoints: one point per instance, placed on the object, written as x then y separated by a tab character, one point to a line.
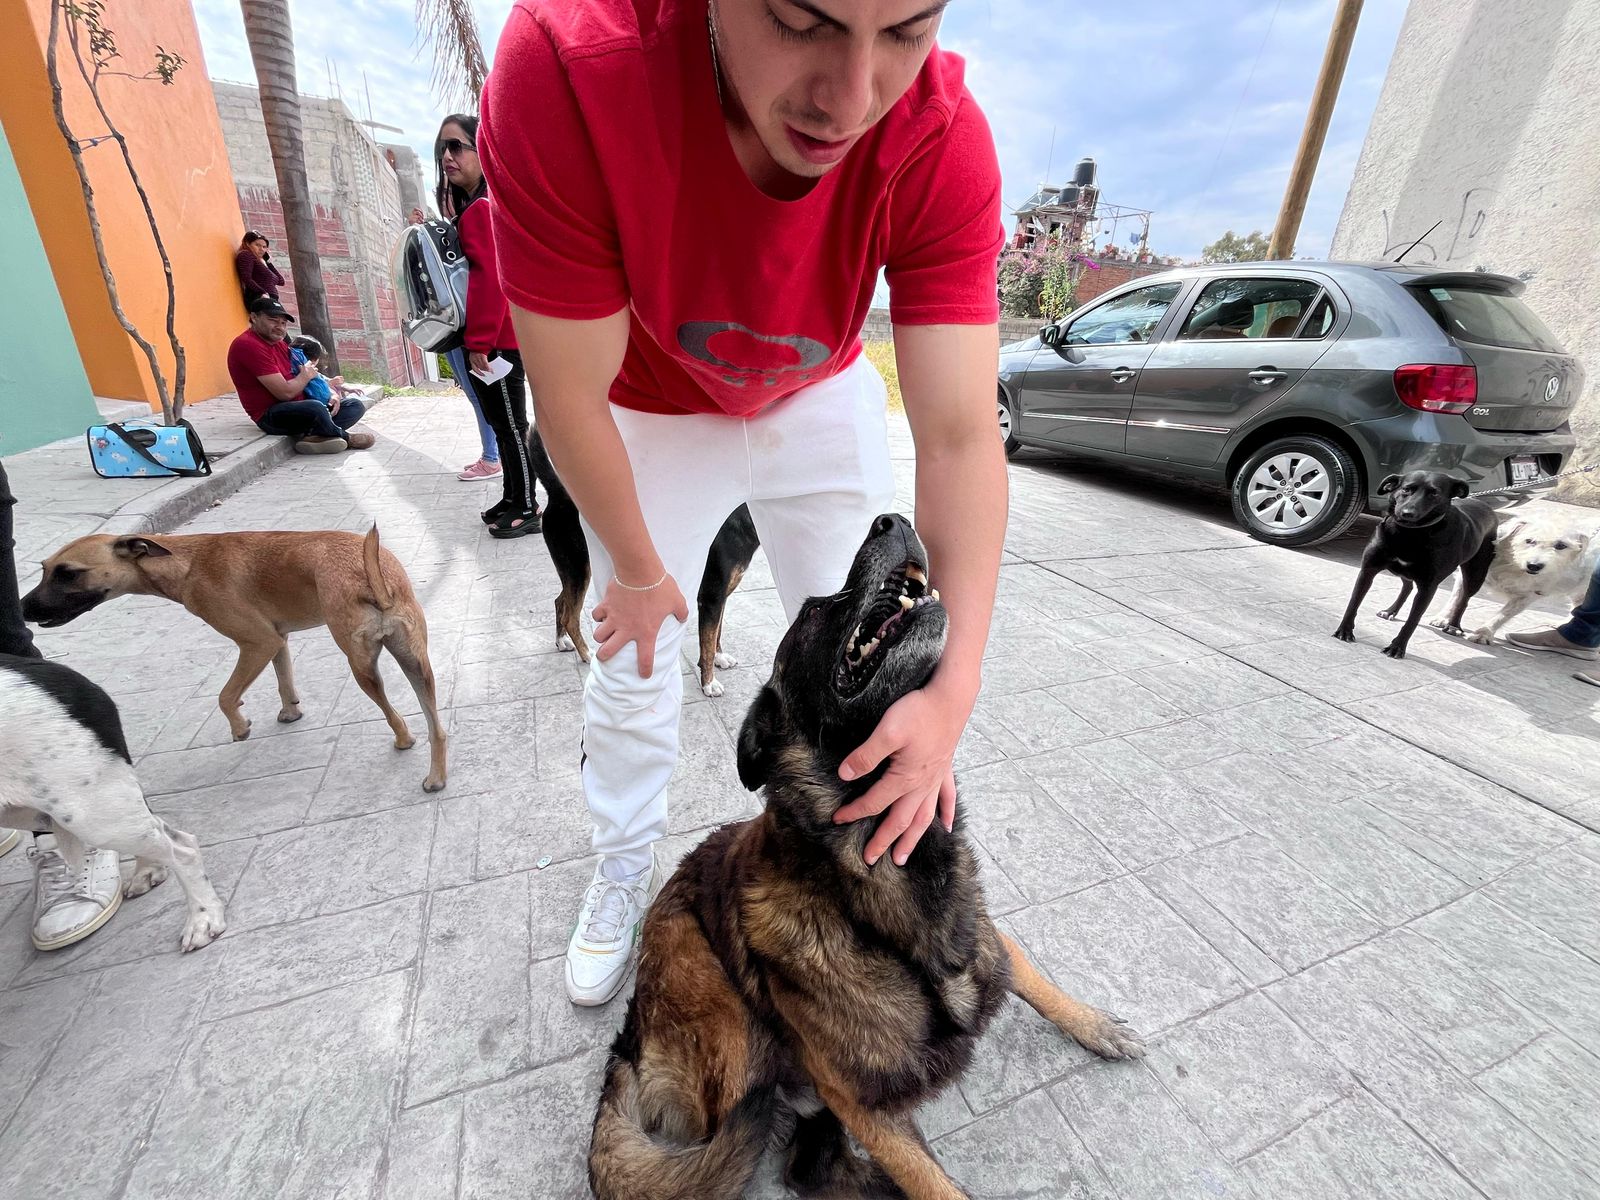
1050	335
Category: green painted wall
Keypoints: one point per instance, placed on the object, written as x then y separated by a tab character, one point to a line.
44	393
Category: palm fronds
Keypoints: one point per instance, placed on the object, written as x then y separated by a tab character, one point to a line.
458	63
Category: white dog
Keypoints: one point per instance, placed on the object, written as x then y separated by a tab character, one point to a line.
67	768
1534	558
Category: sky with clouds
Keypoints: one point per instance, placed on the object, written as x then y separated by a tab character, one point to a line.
1193	110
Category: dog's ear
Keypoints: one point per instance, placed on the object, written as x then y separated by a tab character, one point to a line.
1515	529
758	738
1460	489
1388	485
138	547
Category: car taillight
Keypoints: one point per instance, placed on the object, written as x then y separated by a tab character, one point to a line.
1436	388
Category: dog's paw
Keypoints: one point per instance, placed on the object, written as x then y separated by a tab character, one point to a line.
433	783
1387	614
1447	629
240	732
1395	650
1438	622
1345	635
290	714
202	928
564	642
1111	1037
1482	637
404	741
143	880
722	660
713	689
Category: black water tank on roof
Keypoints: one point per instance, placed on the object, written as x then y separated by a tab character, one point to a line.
1070	194
1084	173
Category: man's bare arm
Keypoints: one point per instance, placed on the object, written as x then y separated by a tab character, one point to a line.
947	377
571	366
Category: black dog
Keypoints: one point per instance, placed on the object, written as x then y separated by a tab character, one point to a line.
1432	529
731	552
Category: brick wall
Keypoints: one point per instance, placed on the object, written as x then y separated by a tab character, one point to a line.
1092	284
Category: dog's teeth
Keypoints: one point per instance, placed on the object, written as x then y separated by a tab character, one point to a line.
934	593
915	572
906	602
869	648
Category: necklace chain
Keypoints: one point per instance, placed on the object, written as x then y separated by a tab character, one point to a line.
716	62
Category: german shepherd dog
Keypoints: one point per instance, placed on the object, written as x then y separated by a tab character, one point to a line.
731	552
783	982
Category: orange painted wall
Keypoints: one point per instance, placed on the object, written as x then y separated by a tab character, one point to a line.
176	140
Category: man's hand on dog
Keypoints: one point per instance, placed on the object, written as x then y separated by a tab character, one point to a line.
918	736
625	616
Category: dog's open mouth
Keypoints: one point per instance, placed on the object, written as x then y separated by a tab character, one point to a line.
903	592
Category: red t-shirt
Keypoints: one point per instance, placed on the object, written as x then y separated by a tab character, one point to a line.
249	356
488	314
615	185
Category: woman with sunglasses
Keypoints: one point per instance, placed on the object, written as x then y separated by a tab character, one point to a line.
464	193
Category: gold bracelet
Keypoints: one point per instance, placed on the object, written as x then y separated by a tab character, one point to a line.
630	588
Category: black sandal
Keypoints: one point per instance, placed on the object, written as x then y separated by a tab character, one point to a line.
503	528
492	514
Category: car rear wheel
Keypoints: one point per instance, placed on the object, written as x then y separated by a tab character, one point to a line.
1007	415
1298	491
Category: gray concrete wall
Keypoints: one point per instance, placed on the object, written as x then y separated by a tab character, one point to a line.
1012	329
1487	124
359	216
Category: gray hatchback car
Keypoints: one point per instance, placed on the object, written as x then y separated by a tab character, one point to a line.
1300	385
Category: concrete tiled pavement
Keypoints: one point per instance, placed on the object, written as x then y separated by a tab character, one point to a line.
1353	900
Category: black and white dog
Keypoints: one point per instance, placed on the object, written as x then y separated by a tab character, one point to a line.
67	767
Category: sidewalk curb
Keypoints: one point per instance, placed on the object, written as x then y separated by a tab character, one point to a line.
165	510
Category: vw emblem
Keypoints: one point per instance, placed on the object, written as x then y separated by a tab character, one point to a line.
1553	387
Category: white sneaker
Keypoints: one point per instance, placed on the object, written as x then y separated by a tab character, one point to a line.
606	936
69	906
8	840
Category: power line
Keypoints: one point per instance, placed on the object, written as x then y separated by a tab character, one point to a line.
1244	91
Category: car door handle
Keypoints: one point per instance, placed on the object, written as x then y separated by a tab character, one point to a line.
1123	374
1268	375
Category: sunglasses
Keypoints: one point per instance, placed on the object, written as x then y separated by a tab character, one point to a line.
455	146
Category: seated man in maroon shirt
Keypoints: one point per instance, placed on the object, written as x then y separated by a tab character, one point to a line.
272	392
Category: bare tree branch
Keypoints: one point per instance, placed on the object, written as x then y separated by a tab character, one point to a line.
458	62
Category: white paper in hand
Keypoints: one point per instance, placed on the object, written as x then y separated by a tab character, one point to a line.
499	368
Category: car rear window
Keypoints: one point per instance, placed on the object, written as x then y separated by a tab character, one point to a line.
1489	318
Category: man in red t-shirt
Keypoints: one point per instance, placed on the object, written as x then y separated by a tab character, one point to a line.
692	204
271	390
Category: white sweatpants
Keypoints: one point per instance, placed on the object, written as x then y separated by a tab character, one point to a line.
815	471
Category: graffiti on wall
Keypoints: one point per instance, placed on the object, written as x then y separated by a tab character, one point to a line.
1458	238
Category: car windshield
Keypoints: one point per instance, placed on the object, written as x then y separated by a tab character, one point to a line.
1489	318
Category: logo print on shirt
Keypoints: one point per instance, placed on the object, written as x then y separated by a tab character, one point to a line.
745	356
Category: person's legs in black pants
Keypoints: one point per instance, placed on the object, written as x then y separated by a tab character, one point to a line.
350	411
505	407
301	418
14	635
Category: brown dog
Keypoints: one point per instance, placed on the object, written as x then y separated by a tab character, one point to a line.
782	980
255	588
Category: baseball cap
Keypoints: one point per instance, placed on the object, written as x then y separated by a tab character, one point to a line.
266	306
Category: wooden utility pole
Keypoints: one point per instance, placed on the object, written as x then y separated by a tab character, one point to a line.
1316	132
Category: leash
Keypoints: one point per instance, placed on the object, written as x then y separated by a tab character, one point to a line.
1545	482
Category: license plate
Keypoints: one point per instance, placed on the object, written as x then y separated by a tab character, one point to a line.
1525	469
